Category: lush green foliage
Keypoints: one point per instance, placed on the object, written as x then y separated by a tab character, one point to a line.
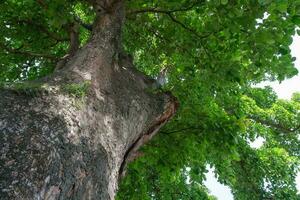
214	52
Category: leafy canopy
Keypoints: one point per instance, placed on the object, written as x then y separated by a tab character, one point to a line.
213	52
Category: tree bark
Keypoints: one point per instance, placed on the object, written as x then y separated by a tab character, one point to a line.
73	135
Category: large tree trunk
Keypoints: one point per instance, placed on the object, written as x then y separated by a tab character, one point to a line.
71	136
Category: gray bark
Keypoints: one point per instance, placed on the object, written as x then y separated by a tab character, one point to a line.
56	144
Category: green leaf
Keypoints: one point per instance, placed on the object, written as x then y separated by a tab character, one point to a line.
224	2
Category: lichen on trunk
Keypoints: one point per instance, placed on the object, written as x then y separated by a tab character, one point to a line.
51	148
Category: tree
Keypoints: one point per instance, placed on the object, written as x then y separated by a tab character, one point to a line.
71	134
75	110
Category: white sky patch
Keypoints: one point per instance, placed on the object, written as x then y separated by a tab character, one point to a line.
286	88
261	21
188	178
257	143
217	189
298	182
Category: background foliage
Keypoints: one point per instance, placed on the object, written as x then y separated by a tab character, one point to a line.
214	52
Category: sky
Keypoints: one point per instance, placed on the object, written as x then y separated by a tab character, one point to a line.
284	90
289	86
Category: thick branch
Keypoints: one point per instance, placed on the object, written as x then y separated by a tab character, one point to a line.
74	38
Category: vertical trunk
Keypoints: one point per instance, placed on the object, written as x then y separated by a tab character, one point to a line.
71	135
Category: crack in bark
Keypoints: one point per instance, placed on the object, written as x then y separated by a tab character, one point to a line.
132	152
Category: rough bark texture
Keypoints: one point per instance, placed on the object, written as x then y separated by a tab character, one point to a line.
65	141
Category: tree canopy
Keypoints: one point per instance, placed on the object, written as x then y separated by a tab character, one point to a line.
213	52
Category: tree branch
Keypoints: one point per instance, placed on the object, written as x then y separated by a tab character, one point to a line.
27	53
104	6
168	41
83	24
42	3
169	13
73	29
43	30
183	129
188	28
155	10
193	32
277	126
